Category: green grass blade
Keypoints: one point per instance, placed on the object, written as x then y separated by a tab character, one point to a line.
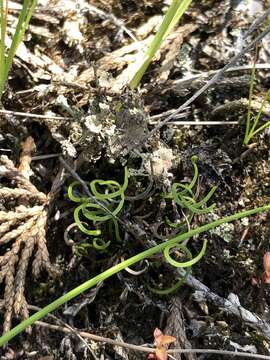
261	128
253	130
179	13
24	18
3	20
23	21
173	15
251	89
2	45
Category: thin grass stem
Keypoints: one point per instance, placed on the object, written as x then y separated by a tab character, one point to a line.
173	15
2	44
23	22
251	130
264	126
258	116
251	89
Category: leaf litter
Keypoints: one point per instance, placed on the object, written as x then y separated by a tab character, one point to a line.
75	62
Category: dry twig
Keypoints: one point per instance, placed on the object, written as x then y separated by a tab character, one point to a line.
231	305
145	349
140	348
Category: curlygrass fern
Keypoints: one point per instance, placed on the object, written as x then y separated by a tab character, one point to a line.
6	56
95	213
184	196
173	15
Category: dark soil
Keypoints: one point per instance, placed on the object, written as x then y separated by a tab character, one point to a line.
123	307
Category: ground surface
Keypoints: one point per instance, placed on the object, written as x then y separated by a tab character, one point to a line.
75	63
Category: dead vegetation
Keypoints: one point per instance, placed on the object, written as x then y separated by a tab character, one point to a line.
72	71
23	219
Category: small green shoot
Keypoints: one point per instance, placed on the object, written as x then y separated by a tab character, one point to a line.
113	196
173	15
6	56
184	196
252	127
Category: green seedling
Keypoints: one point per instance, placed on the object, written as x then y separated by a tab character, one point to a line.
171	18
252	127
113	196
184	196
82	249
7	55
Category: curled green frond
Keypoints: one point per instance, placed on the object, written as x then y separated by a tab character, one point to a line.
172	288
99	215
80	223
194	160
182	247
173	225
71	195
112	188
184	196
82	249
100	244
107	192
175	286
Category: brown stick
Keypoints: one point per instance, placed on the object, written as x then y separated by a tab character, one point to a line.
28	146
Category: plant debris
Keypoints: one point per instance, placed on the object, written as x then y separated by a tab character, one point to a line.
68	96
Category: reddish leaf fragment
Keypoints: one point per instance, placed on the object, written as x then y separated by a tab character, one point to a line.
255	281
157	335
266	265
161	354
167	339
265	277
161	341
